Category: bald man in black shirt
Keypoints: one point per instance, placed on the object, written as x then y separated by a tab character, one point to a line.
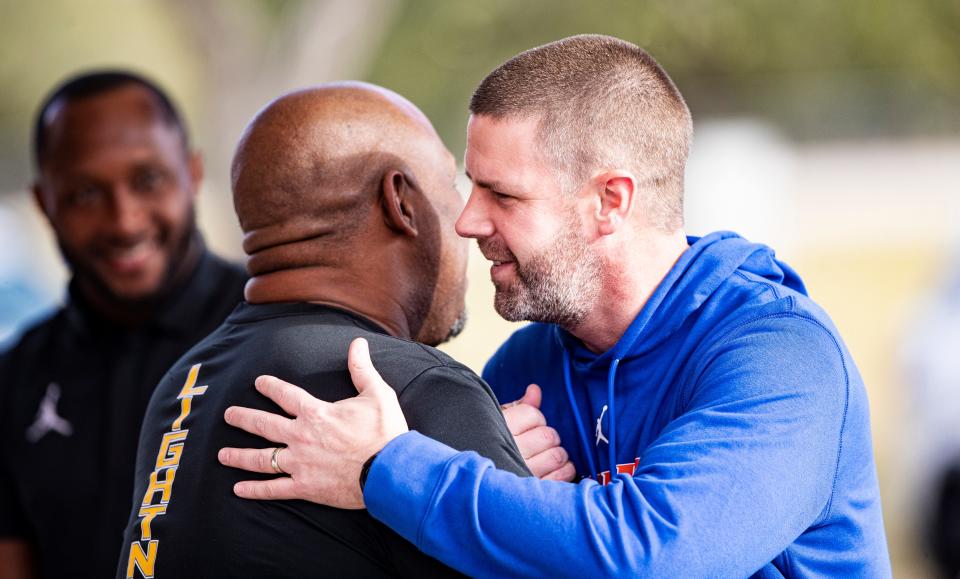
345	194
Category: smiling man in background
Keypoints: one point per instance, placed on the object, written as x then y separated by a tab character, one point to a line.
117	181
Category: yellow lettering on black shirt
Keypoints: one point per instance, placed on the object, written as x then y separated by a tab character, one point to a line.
161	481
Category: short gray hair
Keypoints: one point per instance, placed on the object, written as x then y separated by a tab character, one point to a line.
602	103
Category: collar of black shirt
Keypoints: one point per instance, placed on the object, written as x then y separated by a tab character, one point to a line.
176	313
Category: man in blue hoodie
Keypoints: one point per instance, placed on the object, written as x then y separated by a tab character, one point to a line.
717	419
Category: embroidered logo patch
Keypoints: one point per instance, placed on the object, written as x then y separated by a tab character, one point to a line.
47	419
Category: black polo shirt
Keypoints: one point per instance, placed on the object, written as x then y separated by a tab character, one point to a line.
73	392
187	522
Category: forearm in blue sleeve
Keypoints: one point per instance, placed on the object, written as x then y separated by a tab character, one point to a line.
722	491
484	522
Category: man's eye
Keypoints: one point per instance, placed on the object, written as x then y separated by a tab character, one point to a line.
85	196
502	197
148	180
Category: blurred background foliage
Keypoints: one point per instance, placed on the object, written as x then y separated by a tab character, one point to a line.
818	68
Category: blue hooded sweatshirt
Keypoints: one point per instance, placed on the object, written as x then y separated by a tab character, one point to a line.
726	434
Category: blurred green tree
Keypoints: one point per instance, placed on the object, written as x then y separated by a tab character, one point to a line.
817	68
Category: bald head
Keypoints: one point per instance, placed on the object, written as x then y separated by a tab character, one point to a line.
312	160
346	196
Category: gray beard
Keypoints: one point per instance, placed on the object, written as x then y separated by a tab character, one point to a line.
559	286
457	327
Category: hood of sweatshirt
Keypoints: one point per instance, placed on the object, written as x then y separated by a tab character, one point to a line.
702	268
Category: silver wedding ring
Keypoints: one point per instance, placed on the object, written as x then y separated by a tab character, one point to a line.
274	462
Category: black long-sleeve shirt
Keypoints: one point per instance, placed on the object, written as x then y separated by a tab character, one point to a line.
73	392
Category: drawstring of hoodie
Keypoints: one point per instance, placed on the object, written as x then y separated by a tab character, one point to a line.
578	419
584	445
612	440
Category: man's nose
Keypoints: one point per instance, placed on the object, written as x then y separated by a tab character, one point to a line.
129	214
474	220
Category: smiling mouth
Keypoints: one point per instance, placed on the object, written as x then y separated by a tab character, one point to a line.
131	258
501	269
496	253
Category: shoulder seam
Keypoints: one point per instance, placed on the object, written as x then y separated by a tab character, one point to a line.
477	380
846	384
433	354
770	286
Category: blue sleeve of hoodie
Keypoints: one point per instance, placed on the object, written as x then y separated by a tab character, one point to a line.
745	469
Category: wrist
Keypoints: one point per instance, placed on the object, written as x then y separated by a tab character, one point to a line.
365	470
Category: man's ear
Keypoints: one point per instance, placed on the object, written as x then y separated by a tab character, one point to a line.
397	202
616	195
195	162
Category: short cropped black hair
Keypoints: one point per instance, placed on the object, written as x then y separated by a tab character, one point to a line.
89	84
